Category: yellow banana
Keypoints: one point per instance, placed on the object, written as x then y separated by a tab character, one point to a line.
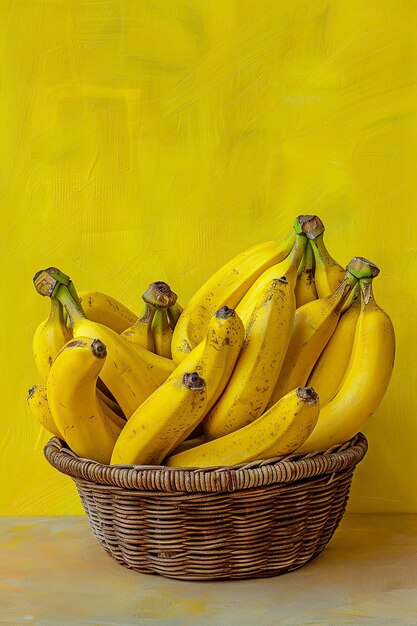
227	286
314	324
50	336
104	397
141	331
104	309
328	273
38	403
255	374
162	421
73	401
328	372
162	333
278	431
287	268
124	372
365	381
215	357
305	287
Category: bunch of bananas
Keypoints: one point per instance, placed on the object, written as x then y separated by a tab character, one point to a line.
282	350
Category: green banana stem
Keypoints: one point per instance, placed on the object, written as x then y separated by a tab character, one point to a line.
311	225
47	283
362	268
159	295
307	262
71	306
146	316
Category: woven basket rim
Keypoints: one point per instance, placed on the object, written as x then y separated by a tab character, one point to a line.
284	469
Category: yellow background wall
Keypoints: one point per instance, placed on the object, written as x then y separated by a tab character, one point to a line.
153	139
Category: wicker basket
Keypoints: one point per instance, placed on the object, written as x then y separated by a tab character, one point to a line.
254	520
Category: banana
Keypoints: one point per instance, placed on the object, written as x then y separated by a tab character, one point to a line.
38	403
152	433
330	368
328	273
141	331
104	397
72	397
278	431
314	324
255	374
215	357
104	309
125	374
162	333
305	287
50	336
365	381
227	286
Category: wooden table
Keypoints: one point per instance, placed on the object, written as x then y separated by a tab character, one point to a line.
54	572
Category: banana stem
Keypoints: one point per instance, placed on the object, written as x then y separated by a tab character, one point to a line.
362	268
72	307
309	225
159	295
174	313
367	293
47	283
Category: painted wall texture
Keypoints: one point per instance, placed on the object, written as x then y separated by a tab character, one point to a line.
154	139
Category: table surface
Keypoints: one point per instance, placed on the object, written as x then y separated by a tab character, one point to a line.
54	572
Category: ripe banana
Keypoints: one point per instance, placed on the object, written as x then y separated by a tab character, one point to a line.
38	403
50	336
328	372
227	286
255	374
112	415
305	287
72	397
328	273
104	309
215	357
366	379
278	431
124	372
141	331
152	433
314	324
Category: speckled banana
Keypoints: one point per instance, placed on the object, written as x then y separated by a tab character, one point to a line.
72	398
124	372
38	403
314	324
278	431
215	357
140	332
50	336
328	273
227	286
255	374
104	309
305	287
366	379
151	433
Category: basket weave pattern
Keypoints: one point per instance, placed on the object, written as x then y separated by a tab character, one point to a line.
255	520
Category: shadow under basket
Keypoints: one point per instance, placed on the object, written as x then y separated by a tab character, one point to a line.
246	521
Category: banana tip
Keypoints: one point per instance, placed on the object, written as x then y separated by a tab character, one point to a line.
307	395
